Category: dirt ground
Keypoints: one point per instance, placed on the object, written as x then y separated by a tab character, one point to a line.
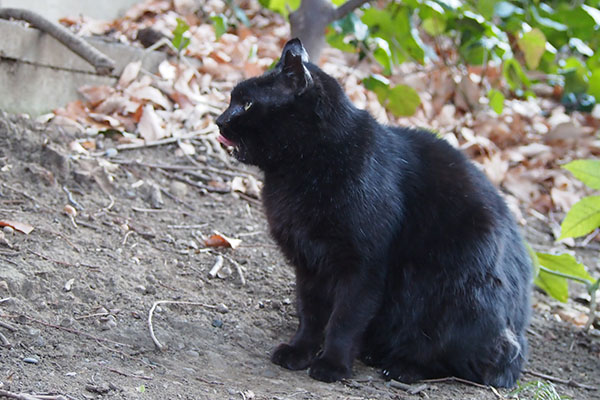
75	300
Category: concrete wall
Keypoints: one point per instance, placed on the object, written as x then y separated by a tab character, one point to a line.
39	74
55	9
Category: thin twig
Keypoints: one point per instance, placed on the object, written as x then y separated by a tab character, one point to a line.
132	146
8	326
25	194
455	379
216	267
156	303
177	199
146	378
70	330
103	64
4	341
410	389
198	226
568	382
25	396
72	200
100	314
65	263
238	267
155	210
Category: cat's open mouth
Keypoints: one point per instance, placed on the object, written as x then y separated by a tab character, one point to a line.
227	143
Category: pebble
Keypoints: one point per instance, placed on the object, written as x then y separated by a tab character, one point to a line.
193	353
108	322
8	230
112	152
179	189
217	323
222	308
31	360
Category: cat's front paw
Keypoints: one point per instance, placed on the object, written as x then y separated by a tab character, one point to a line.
403	374
292	357
326	371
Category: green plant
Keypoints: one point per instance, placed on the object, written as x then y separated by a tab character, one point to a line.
536	390
559	40
553	271
180	40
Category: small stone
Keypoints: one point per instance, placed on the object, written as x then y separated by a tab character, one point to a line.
34	332
31	360
67	322
69	285
222	308
8	230
193	353
112	152
140	288
224	272
108	322
217	323
287	301
39	341
179	189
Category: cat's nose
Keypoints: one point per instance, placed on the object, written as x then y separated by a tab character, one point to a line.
221	121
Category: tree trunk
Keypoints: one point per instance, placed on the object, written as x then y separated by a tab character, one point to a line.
309	21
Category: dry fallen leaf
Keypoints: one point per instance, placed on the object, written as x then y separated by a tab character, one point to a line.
220	240
150	125
19	226
130	72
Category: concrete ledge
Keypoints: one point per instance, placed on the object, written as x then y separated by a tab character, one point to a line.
38	73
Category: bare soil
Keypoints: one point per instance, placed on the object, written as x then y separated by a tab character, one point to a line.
74	300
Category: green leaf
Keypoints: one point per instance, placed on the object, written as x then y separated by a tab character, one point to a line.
576	75
486	8
564	264
434	25
383	55
556	286
394	26
403	100
514	75
582	218
379	85
179	40
553	285
587	171
496	99
533	45
280	6
594	88
220	23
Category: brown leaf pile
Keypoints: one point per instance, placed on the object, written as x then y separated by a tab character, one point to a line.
521	150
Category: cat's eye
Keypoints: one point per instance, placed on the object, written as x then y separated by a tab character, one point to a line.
247	105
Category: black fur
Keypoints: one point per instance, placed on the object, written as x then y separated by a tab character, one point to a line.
405	254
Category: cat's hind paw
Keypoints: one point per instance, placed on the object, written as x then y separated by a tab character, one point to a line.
292	357
326	371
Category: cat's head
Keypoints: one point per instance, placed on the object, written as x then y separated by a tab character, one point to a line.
267	113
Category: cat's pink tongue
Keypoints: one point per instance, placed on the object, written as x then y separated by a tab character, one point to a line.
225	141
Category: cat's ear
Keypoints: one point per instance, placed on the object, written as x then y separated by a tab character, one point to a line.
294	56
295	47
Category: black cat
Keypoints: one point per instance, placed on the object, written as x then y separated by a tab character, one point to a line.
405	254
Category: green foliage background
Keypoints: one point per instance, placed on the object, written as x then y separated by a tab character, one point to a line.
557	38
